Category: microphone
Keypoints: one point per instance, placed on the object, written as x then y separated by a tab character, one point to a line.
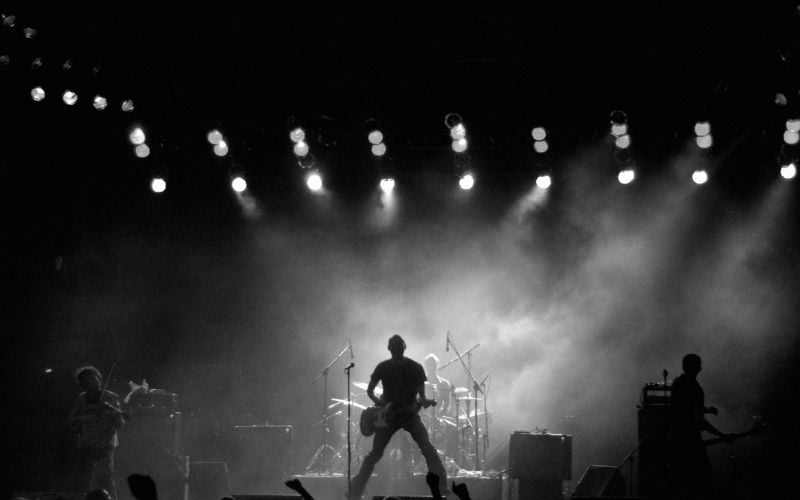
447	345
349	366
351	348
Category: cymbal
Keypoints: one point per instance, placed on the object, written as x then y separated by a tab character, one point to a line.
351	403
469	398
447	420
461	390
361	385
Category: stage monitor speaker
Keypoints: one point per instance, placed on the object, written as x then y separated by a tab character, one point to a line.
208	481
267	497
48	495
601	481
540	456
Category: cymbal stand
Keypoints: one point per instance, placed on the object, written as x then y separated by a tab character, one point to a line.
475	387
485	416
323	450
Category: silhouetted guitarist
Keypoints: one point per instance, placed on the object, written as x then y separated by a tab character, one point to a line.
690	468
403	395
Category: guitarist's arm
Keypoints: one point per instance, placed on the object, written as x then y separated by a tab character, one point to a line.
421	393
707	426
371	391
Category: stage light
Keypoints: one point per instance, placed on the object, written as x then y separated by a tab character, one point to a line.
158	185
789	171
375	137
9	20
702	129
626	176
452	119
791	138
314	181
99	102
460	145
458	132
5	60
700	176
539	134
127	106
541	146
387	185
379	149
30	32
214	137
780	99
618	130
142	151
297	135
238	184
544	181
705	141
37	63
37	94
623	141
137	136
69	97
300	148
466	182
793	125
221	148
67	65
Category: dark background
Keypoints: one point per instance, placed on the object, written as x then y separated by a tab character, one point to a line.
238	303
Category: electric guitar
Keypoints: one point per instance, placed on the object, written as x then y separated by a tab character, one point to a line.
380	417
756	429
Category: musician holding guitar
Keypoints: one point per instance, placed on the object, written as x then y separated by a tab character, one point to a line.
403	396
689	465
97	415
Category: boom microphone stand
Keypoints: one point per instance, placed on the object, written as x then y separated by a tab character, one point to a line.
322	450
349	417
476	388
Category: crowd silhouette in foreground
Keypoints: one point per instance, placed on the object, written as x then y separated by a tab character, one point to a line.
144	488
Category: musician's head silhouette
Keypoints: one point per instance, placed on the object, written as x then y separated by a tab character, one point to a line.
692	364
397	345
88	377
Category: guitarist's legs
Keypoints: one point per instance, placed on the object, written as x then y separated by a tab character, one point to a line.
417	429
379	443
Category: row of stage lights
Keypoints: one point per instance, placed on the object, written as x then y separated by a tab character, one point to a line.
619	130
458	134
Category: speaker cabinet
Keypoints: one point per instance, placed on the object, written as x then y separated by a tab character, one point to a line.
540	456
653	457
601	481
260	458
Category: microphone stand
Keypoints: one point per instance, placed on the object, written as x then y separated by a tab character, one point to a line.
349	416
325	446
476	388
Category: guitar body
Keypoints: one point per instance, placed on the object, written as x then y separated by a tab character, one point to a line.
381	417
